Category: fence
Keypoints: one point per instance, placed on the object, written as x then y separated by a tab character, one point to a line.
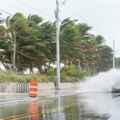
22	87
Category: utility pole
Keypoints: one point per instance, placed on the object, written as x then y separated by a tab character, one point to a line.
57	44
113	54
14	53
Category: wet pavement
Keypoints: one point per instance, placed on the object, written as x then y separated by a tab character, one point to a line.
60	105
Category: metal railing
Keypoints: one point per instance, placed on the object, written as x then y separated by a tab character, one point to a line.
22	87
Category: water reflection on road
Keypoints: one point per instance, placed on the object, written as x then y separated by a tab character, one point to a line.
83	106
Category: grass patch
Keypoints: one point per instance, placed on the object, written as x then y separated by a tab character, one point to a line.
68	74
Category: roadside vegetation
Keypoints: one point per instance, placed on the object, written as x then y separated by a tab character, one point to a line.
82	52
68	74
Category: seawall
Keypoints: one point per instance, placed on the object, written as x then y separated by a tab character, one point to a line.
24	87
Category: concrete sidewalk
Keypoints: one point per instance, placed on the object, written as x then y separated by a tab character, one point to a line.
19	97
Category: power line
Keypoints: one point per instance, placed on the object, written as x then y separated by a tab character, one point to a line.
74	11
71	9
34	8
5	12
2	18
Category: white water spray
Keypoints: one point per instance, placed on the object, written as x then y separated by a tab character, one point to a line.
103	82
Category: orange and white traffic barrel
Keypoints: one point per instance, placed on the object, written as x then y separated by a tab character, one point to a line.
33	88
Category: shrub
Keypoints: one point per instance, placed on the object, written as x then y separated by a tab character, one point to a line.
72	71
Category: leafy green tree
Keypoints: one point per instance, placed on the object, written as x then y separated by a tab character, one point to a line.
35	46
18	31
104	54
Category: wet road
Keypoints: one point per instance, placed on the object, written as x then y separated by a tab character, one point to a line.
82	106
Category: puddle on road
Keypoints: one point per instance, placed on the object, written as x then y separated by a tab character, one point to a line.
97	106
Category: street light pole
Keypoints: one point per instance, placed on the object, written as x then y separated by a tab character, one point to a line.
57	44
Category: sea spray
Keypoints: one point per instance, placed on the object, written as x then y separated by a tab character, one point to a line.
103	82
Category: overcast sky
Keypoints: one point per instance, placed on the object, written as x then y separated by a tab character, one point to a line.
102	15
